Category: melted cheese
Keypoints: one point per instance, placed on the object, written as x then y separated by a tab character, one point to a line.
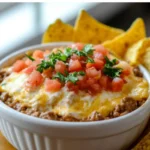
65	102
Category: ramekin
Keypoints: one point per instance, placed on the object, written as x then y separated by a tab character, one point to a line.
30	133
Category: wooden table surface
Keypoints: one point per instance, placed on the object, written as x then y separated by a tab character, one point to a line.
4	144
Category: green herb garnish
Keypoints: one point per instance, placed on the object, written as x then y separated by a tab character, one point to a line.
68	51
58	56
90	60
111	71
44	65
60	76
87	51
30	57
72	77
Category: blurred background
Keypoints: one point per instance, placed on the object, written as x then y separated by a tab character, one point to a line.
22	24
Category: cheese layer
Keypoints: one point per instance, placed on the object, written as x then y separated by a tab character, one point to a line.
66	102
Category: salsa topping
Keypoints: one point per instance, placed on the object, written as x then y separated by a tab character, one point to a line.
30	57
78	67
72	77
111	71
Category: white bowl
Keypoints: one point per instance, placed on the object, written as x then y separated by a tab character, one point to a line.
29	133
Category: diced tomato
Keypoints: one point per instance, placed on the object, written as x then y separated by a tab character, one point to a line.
92	72
98	55
75	57
82	59
117	84
52	85
28	62
72	87
126	68
60	67
36	62
98	64
48	72
81	82
126	72
35	79
32	66
74	65
90	81
101	49
29	69
78	46
96	87
89	65
104	81
19	65
38	54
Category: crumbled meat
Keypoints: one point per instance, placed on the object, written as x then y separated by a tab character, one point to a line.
17	106
116	114
48	115
13	104
127	105
141	102
124	113
4	96
69	118
30	111
3	75
95	116
137	72
35	114
22	108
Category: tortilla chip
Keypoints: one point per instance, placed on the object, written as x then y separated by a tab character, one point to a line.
146	59
89	30
120	44
58	31
134	53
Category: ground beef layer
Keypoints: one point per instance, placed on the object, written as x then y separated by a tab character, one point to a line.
127	105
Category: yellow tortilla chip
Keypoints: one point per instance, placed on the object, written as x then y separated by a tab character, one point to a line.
146	59
134	53
89	30
120	44
58	31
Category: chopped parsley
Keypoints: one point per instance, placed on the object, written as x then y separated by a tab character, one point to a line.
87	51
30	57
68	51
72	77
111	71
89	60
44	65
60	76
58	56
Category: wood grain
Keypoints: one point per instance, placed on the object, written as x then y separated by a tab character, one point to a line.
4	144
